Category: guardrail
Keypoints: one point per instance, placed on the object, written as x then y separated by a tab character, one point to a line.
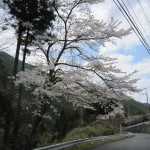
136	125
86	140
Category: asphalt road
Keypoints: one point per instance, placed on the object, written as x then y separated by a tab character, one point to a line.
138	142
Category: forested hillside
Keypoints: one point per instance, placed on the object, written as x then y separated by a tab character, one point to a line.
133	107
8	62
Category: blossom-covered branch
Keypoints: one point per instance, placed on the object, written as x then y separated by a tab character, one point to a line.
75	70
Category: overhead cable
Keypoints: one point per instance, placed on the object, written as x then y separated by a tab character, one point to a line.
147	19
138	20
133	25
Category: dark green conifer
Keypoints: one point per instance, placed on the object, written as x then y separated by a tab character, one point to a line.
38	13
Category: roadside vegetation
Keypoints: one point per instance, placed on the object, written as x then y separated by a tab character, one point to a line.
80	133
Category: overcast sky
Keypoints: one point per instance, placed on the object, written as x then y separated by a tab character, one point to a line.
130	52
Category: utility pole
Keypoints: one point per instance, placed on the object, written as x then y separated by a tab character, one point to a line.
120	129
128	111
147	101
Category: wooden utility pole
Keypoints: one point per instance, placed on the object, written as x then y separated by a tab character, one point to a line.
147	101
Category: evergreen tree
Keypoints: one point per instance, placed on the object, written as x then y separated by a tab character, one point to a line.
31	17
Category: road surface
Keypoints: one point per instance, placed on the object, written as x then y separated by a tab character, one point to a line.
138	142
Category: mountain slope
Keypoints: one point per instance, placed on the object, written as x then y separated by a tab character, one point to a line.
133	107
8	62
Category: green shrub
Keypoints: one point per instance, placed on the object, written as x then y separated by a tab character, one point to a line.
91	131
80	133
108	130
48	139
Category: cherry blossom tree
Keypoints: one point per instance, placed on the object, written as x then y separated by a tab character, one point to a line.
74	67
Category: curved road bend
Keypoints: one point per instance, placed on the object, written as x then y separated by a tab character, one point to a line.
138	142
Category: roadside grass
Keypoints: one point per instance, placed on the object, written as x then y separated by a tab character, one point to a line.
79	133
84	132
90	131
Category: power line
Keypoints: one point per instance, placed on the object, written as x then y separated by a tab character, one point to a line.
145	15
148	3
147	19
138	19
132	24
131	17
136	26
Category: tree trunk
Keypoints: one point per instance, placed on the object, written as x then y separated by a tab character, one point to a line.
25	51
15	70
19	102
81	116
17	123
35	127
33	133
7	128
8	119
9	112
